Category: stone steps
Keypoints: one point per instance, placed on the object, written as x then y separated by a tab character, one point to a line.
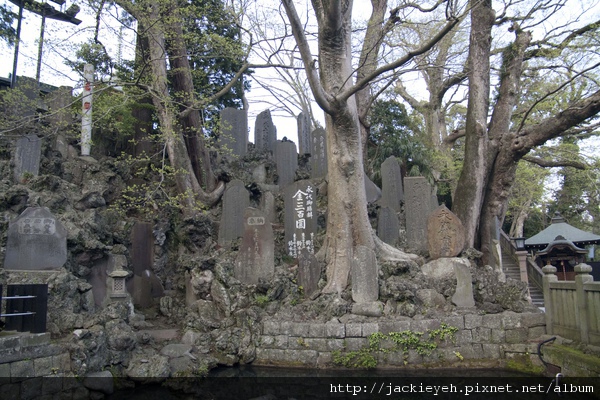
512	271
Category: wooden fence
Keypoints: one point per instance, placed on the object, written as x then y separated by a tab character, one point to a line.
573	307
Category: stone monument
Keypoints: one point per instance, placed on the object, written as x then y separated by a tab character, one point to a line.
265	132
286	159
36	241
234	132
300	218
304	139
318	154
235	201
445	234
392	194
27	157
255	259
417	206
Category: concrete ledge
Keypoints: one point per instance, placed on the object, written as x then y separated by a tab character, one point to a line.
572	362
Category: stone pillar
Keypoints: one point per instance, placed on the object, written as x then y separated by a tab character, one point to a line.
522	257
549	277
582	277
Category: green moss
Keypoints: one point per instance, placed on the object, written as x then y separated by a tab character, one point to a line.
422	342
522	363
562	352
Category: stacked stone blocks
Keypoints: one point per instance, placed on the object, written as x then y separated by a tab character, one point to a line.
479	337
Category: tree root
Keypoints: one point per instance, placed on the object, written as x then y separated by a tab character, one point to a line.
210	199
385	252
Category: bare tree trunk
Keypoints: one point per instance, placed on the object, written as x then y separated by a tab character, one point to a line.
187	184
183	88
368	61
468	198
142	113
347	221
518	223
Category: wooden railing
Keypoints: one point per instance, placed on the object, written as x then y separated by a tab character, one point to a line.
572	307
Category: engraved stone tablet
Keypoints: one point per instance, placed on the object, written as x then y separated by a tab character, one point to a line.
255	259
445	233
36	241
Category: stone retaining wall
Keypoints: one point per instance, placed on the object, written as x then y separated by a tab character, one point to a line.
27	357
479	337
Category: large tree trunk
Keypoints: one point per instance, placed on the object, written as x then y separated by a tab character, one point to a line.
142	111
187	184
502	160
347	220
471	184
183	89
347	223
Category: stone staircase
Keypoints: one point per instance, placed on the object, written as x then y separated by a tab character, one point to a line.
511	270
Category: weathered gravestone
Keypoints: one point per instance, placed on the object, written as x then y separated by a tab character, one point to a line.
365	276
267	205
388	226
434	200
309	272
391	184
444	269
36	241
255	260
318	155
27	157
445	234
60	116
144	286
286	159
496	250
372	191
417	206
259	173
300	218
234	131
304	140
142	247
463	297
235	201
265	132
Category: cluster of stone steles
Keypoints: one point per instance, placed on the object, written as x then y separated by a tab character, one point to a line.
255	258
412	199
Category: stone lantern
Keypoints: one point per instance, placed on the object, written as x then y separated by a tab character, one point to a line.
118	276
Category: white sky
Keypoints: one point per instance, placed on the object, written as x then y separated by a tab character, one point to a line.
63	38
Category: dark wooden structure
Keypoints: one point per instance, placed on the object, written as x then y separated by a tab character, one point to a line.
562	246
26	308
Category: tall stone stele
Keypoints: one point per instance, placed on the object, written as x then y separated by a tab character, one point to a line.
255	258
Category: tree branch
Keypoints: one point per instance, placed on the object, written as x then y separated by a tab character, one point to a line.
542	162
398	63
454	136
557	48
556	126
321	97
